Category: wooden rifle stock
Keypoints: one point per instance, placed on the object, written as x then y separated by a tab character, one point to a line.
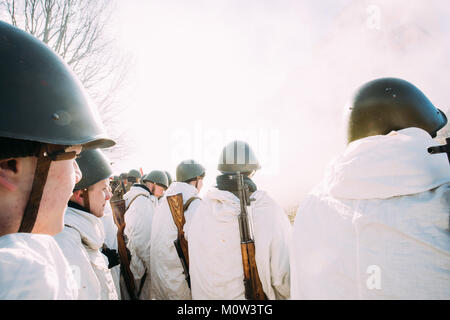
175	203
118	208
252	282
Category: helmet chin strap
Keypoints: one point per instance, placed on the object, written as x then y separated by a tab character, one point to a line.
34	200
47	154
87	204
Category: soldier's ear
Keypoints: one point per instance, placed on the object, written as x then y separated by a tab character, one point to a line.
9	172
78	195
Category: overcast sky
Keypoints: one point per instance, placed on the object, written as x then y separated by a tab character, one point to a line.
275	73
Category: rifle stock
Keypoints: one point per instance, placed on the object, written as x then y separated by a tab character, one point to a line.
252	282
175	203
118	208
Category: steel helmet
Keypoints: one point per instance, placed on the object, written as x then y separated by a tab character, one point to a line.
189	169
169	177
157	177
44	108
387	104
94	166
123	176
134	174
41	98
238	156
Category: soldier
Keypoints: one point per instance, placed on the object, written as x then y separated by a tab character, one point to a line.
83	236
141	202
376	227
157	182
46	120
133	176
166	269
121	187
216	266
114	182
123	178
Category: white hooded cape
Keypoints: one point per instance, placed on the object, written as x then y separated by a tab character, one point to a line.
81	241
32	267
168	279
214	247
377	227
110	230
138	227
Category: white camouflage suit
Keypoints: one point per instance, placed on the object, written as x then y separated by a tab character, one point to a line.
33	267
110	230
377	227
214	247
138	227
168	279
81	241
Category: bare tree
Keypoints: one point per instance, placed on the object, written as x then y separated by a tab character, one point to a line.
75	29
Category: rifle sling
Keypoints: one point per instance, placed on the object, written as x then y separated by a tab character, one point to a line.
188	203
132	200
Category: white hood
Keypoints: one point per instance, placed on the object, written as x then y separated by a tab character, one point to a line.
226	205
134	191
89	226
384	166
186	189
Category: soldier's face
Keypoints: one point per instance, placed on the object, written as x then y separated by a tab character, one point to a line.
99	193
159	191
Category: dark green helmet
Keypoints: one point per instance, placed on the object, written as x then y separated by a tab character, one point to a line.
238	156
383	105
157	177
41	99
169	177
94	166
189	169
134	174
123	176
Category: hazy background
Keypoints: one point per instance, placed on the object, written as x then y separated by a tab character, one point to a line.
278	74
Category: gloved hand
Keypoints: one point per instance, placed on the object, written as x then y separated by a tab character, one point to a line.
112	255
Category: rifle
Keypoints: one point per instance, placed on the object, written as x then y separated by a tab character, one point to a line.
118	208
252	282
441	149
177	209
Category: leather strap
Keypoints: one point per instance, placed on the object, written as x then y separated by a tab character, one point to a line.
34	201
87	204
188	202
132	200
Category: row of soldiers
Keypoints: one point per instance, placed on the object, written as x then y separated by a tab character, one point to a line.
151	262
375	227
